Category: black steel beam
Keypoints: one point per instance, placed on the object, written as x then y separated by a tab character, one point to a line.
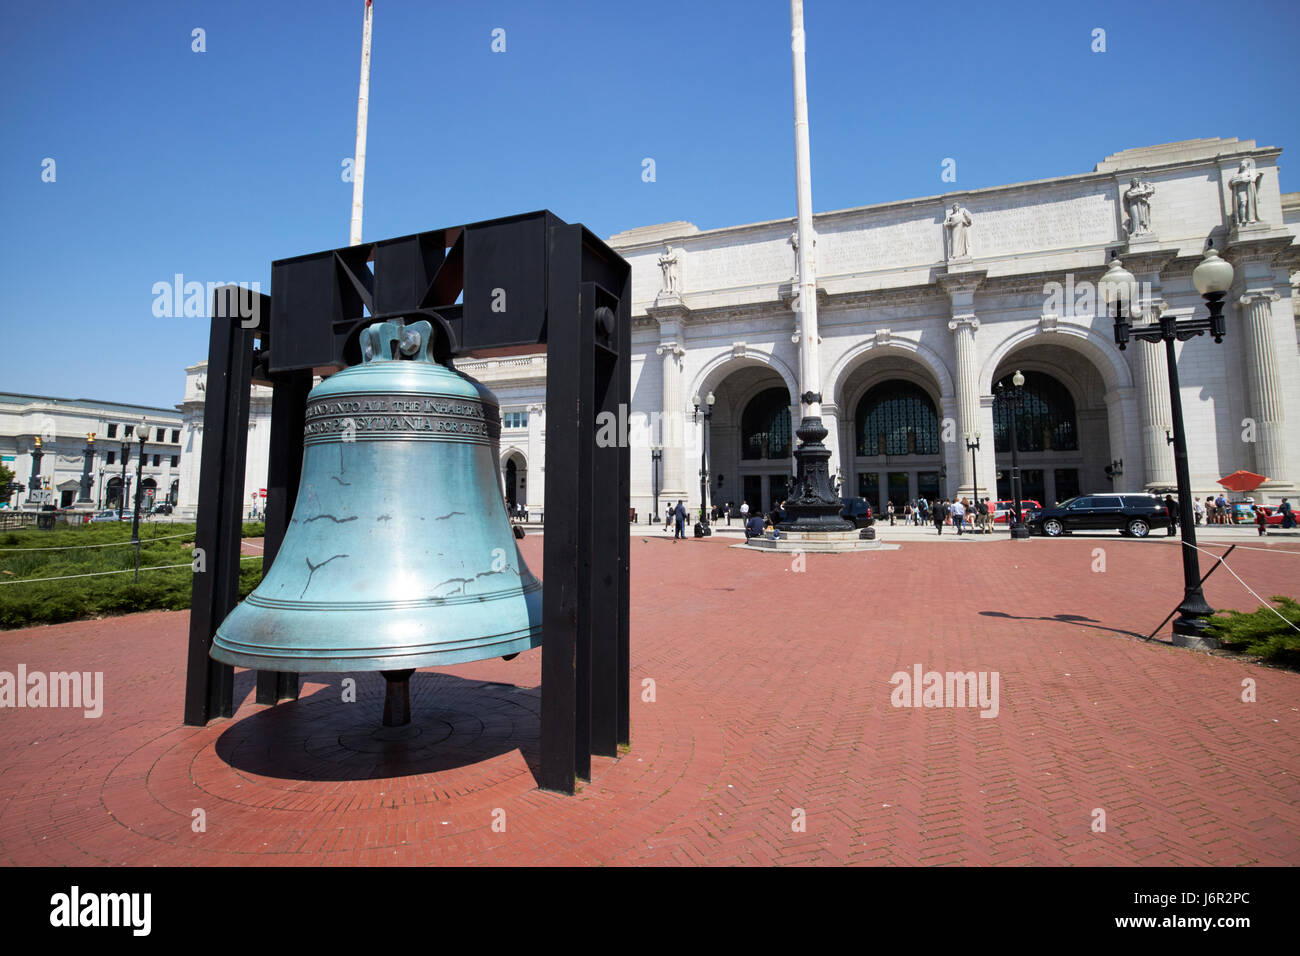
209	685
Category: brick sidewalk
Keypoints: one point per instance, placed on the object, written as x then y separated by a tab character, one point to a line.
772	697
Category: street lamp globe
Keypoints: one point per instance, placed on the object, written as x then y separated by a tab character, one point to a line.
1117	286
1213	274
1017	380
711	398
695	399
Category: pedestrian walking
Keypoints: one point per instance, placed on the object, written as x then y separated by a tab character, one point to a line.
1197	509
958	515
1171	514
679	516
889	510
938	513
982	512
1221	509
1261	519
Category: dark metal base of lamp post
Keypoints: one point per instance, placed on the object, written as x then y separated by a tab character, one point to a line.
1190	626
1019	532
814	506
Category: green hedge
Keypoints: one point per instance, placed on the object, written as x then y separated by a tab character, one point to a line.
25	600
1262	633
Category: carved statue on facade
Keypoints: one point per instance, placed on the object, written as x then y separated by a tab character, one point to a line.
958	224
668	265
1245	193
1137	199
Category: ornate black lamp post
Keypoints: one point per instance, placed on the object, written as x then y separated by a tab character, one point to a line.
143	433
1212	278
87	469
34	483
1013	396
100	505
709	400
121	492
656	456
973	447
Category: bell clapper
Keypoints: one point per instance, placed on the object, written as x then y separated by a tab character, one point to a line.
397	698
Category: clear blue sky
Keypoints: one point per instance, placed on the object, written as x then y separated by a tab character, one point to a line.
212	164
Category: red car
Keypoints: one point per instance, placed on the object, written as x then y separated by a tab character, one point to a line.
1003	513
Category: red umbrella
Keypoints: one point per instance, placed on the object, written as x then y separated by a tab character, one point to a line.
1242	481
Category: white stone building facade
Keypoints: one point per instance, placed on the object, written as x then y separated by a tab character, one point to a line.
914	340
917	327
69	452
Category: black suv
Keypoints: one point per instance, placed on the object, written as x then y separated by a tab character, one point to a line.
1129	514
857	511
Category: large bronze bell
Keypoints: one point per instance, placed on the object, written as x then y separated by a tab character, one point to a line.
400	553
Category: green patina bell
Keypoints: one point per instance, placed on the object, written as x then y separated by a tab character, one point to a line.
400	553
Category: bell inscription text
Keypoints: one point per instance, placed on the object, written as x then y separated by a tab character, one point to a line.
405	417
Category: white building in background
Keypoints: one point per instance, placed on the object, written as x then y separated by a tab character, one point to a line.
69	452
259	444
924	306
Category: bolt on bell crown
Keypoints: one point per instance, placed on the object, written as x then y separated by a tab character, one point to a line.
399	553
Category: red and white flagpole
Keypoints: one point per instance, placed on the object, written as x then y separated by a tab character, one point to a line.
363	109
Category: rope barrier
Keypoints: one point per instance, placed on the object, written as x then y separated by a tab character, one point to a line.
96	574
111	544
1244	584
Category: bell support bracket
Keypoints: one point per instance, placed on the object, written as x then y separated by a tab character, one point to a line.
530	279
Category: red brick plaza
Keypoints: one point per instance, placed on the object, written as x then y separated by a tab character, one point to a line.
772	706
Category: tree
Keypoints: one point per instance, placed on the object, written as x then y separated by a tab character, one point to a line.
6	479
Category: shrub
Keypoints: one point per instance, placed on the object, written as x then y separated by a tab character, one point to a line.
1261	632
27	602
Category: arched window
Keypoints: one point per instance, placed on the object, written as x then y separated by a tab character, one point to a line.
1045	418
765	425
897	418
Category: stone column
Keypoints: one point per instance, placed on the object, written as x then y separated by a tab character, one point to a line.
1253	250
960	282
831	422
968	395
1151	372
535	493
1263	383
672	424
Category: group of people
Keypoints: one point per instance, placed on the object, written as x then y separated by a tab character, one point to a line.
1216	510
959	513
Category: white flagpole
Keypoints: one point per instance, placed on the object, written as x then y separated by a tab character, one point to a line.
363	108
809	362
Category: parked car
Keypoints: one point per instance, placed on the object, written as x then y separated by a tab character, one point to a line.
858	511
109	516
1002	512
1129	514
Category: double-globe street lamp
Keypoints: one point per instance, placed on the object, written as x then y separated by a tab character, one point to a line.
709	401
1118	290
1012	396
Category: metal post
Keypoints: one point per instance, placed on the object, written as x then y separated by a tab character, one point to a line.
1190	623
974	476
1018	529
121	492
656	456
363	109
